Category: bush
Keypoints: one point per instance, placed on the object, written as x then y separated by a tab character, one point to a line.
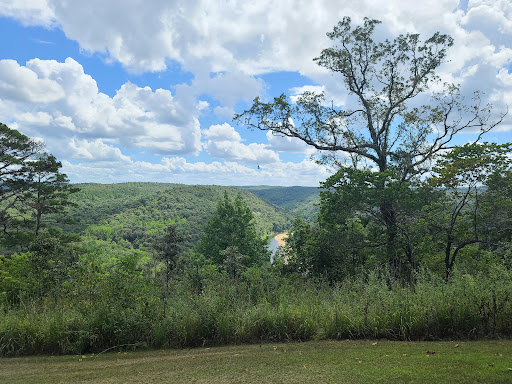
263	307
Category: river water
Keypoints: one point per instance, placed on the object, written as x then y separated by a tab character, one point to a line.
273	248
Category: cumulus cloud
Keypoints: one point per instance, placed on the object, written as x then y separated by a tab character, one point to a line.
492	17
226	46
24	84
223	132
224	142
333	94
179	170
238	39
28	12
225	36
283	143
228	88
52	100
246	37
96	151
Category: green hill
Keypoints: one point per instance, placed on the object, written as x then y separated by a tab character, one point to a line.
298	200
136	212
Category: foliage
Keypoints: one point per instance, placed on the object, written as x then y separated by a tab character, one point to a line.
16	150
462	172
49	190
50	262
168	247
297	251
301	201
436	219
230	236
138	212
496	210
351	235
31	185
113	304
16	281
382	126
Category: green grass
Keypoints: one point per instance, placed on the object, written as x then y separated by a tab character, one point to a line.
261	308
358	361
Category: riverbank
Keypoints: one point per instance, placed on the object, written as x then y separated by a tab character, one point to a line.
280	239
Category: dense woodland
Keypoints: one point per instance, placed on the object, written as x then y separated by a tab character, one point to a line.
410	239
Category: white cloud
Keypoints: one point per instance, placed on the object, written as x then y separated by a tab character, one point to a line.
57	101
291	173
96	151
34	119
223	132
492	17
238	36
179	170
28	12
283	143
333	94
241	39
22	84
224	112
225	143
225	45
228	88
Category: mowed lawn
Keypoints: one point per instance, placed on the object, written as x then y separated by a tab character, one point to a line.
355	361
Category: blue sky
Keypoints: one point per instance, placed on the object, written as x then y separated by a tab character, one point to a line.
146	90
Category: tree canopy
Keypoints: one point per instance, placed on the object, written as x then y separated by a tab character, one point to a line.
16	150
48	189
30	182
398	117
380	125
231	233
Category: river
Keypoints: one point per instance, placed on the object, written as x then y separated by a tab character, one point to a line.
276	242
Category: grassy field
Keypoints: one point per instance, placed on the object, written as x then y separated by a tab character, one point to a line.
359	361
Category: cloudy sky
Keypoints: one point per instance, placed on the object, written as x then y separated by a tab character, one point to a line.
132	90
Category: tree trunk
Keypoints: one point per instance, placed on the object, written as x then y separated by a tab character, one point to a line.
38	221
388	213
447	253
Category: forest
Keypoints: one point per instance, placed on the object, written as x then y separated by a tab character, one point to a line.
410	238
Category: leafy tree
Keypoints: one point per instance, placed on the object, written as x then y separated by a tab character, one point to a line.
168	248
462	173
49	190
16	281
497	201
232	226
30	181
382	126
234	262
496	210
16	150
297	251
50	261
199	272
356	232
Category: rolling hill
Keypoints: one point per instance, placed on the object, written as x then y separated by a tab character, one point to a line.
136	212
301	201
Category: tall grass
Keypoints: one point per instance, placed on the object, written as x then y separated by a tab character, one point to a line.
269	308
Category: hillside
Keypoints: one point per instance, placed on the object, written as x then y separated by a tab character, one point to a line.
135	212
298	200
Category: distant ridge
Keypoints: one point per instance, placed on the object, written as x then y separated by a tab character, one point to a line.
301	201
